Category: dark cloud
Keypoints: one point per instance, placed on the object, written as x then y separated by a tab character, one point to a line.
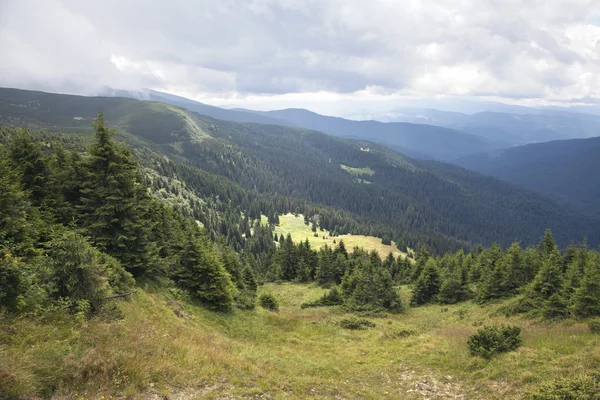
236	48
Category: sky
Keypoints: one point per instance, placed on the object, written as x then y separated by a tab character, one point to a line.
344	58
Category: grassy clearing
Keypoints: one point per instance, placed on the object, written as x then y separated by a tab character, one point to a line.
293	353
289	223
358	171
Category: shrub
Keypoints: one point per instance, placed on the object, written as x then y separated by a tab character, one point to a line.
332	298
356	323
269	302
594	325
400	333
83	274
582	387
492	340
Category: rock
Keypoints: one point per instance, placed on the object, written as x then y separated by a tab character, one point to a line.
182	314
425	387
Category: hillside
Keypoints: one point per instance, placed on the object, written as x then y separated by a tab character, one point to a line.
130	272
294	353
413	139
563	169
416	140
279	169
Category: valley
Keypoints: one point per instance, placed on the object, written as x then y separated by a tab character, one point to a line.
152	251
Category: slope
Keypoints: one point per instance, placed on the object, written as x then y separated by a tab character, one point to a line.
564	169
416	140
287	169
294	353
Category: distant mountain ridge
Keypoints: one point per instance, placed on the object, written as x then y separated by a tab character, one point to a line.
415	140
514	128
414	202
565	169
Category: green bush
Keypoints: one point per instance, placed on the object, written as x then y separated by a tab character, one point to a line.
492	340
594	325
582	387
356	323
269	302
83	274
333	298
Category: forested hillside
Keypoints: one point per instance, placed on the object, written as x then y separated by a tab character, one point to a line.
565	170
87	221
270	169
416	139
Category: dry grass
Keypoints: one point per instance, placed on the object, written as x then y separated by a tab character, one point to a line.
293	353
289	223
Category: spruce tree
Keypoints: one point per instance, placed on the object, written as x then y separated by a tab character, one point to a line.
586	299
202	274
115	205
27	157
13	202
427	286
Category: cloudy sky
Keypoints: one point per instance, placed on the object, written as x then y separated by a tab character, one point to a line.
337	57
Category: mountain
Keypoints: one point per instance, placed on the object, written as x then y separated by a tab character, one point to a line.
351	186
417	140
195	106
564	169
512	128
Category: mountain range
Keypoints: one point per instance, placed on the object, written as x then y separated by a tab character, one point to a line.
358	185
566	170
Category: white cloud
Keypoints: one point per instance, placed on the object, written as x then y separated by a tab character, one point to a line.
309	53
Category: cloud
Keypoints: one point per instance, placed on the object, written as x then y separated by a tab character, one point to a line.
238	51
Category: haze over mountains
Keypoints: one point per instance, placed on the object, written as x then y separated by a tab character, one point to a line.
416	201
564	169
506	126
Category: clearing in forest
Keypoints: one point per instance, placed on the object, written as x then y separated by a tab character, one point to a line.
294	224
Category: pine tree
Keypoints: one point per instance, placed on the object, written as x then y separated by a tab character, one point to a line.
427	286
547	246
453	290
27	157
370	287
549	279
515	275
287	259
586	299
421	259
13	202
201	273
115	205
492	285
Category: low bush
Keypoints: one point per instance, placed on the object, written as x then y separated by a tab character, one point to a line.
356	323
594	325
582	387
400	333
269	302
492	340
332	298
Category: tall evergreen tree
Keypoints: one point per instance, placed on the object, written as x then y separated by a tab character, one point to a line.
115	205
202	274
427	287
586	299
27	157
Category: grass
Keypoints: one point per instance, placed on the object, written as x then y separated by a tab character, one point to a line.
293	353
358	171
294	224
